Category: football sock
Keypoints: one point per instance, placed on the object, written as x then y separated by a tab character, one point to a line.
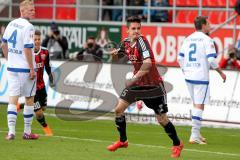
12	117
28	117
171	132
121	126
196	122
42	121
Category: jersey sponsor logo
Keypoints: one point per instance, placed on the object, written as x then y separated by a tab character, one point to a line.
39	65
43	57
12	50
132	58
193	65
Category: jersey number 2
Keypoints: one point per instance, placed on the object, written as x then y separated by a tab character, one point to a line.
13	38
192	51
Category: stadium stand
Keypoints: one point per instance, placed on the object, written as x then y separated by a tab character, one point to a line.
217	10
62	13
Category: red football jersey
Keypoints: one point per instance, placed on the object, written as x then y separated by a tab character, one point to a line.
42	61
137	53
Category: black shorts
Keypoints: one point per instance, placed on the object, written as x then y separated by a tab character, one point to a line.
154	97
40	99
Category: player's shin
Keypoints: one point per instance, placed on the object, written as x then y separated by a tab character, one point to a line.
171	132
41	118
28	117
121	126
196	123
12	117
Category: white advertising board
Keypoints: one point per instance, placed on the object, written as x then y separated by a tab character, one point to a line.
224	106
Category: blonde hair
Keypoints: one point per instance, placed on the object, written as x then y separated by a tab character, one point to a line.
25	3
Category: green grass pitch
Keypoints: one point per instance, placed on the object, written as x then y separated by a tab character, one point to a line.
87	140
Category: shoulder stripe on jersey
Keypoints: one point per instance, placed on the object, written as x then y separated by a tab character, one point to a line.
146	54
181	54
214	55
196	81
142	44
4	40
28	45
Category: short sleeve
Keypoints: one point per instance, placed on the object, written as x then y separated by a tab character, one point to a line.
182	51
144	47
5	36
28	40
210	48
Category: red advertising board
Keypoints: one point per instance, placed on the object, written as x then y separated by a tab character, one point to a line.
166	41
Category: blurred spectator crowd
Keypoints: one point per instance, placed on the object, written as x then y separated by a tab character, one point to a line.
158	15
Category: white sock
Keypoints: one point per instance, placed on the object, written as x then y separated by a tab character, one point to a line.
12	118
196	123
28	117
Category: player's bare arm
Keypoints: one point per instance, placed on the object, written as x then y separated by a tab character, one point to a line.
145	68
29	58
5	49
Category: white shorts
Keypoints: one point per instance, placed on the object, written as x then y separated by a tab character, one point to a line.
19	84
199	93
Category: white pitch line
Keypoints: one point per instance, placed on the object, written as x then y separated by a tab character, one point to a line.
142	145
150	146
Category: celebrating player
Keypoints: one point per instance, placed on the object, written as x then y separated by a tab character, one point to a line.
146	85
196	56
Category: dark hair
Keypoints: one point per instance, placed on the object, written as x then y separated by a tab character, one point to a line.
91	37
37	32
133	19
54	27
199	21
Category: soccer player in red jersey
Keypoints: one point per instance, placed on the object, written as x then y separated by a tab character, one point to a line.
40	99
146	85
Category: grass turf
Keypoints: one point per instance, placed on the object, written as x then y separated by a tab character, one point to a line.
87	140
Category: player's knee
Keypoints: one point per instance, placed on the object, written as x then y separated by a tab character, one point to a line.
43	108
118	111
162	119
120	108
29	101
